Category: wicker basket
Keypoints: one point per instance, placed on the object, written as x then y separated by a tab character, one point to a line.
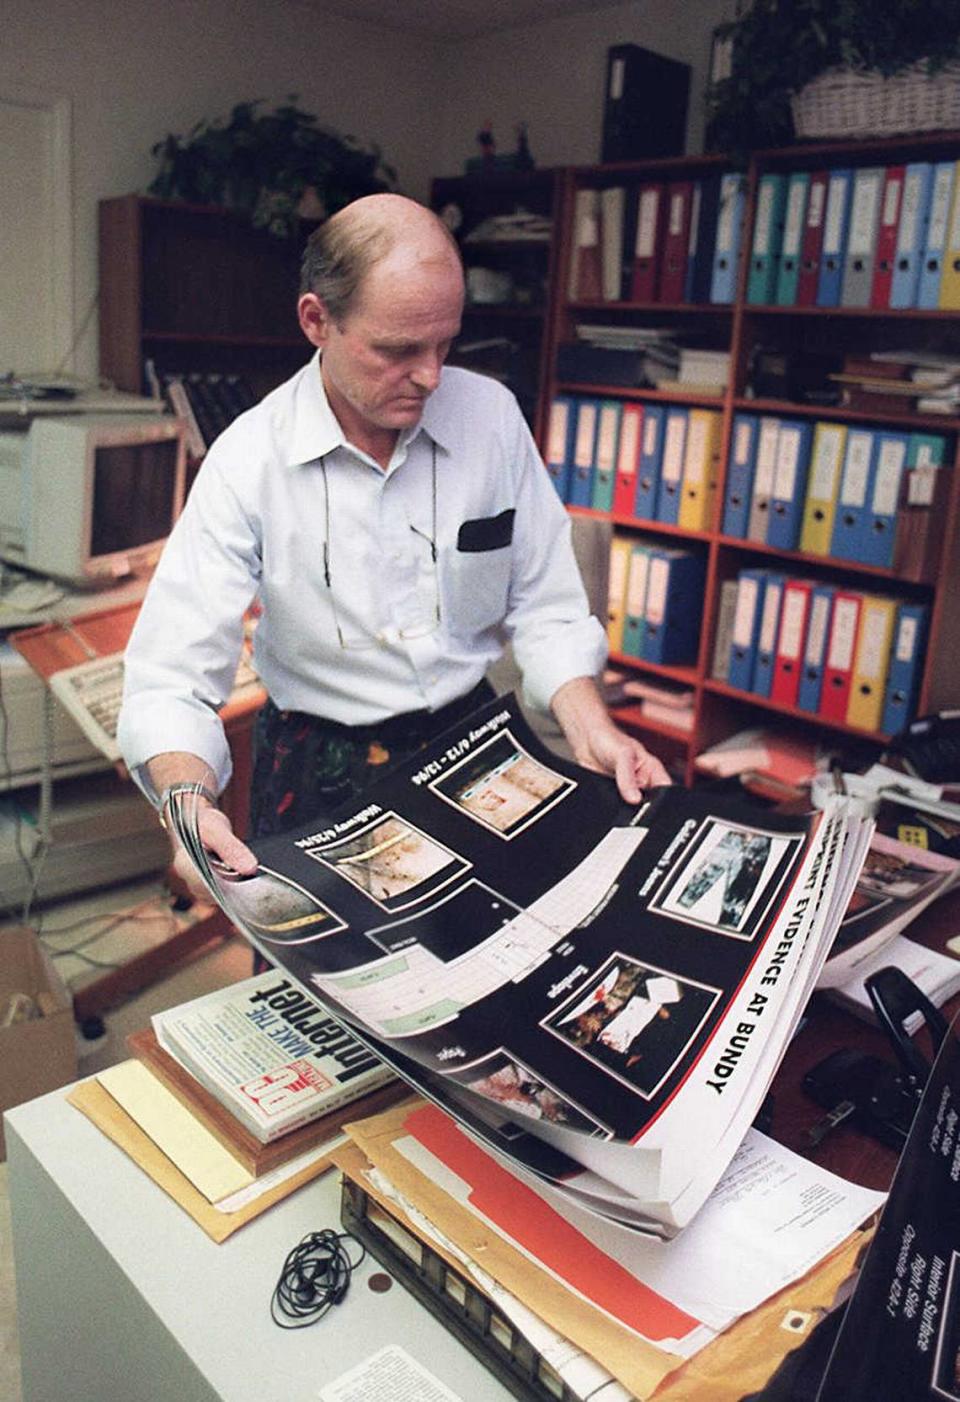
845	103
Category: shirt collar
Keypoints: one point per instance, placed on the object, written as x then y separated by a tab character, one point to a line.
316	429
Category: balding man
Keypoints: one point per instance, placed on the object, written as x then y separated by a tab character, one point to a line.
397	526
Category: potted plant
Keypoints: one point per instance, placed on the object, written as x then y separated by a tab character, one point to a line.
782	53
276	166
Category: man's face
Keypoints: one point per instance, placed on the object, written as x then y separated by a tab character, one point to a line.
380	364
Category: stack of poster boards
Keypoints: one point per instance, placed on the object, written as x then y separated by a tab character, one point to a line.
601	994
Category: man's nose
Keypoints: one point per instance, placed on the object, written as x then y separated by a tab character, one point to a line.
426	373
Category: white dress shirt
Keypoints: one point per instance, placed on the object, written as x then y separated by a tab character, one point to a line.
282	501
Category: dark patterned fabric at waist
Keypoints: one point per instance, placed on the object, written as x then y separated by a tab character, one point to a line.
410	727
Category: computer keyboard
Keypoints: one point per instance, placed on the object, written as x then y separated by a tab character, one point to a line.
91	693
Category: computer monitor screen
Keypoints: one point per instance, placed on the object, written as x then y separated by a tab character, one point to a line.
90	498
131	494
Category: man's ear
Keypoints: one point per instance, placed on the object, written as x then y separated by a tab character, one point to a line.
314	320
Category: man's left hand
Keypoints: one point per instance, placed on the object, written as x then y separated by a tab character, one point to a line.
635	769
600	745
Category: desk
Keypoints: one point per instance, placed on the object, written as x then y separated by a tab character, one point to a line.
49	648
118	1288
123	1299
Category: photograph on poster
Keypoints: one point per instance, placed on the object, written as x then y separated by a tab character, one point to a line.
727	879
392	862
515	1088
275	908
503	787
634	1020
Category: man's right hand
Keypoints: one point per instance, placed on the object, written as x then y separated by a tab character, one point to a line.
216	833
220	840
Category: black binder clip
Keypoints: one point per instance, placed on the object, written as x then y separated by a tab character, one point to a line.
879	1098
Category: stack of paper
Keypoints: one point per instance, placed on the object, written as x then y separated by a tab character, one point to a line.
598	1290
192	1149
937	976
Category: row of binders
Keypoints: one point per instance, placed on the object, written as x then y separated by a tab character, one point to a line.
846	656
873	236
660	241
652	462
832	489
655	601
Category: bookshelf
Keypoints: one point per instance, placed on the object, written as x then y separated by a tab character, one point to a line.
750	330
506	336
195	288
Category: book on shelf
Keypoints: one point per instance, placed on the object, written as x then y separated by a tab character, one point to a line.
680	718
763	751
701	370
522	226
269	1053
489	915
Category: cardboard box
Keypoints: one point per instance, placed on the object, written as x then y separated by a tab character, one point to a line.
40	1054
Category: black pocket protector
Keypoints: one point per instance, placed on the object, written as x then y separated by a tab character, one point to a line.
486	532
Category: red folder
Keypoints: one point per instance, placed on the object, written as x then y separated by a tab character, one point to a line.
788	662
890	204
648	250
628	456
841	650
812	239
676	240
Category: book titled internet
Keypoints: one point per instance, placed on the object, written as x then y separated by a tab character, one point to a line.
269	1053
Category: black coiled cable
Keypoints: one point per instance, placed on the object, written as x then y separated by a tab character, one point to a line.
315	1275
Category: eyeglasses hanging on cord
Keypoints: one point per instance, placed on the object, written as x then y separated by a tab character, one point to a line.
420	631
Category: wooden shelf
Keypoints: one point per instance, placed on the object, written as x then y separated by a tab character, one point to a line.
654	396
656	527
688	676
206	338
195	288
794	712
633	718
739	328
530	262
924	423
832	563
855	313
504	309
672	308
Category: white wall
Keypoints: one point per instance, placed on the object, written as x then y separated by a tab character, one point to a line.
136	69
553	75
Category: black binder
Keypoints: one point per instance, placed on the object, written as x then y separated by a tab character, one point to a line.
645	104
